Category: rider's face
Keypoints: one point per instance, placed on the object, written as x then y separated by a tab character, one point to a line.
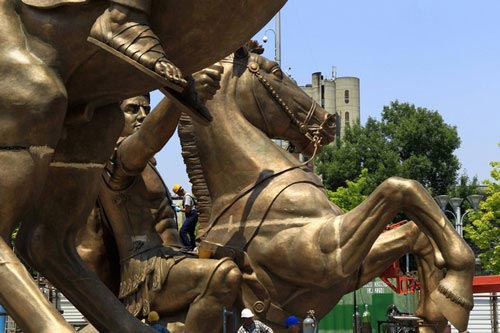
135	110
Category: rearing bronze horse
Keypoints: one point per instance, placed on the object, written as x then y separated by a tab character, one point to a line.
59	122
296	250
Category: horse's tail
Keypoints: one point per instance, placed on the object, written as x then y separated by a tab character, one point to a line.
191	158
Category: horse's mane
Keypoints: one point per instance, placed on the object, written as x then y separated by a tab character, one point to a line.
193	167
190	154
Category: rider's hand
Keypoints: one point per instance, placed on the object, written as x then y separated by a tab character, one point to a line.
207	81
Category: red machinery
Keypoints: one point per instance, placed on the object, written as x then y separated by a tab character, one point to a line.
403	284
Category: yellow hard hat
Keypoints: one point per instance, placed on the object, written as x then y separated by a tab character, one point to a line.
153	316
176	188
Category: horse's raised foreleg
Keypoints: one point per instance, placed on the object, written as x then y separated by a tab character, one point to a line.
48	241
360	228
393	244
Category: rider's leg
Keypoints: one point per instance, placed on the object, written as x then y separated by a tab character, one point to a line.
207	287
124	27
48	242
96	246
221	291
32	109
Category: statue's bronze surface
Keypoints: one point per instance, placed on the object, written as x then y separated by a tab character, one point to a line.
132	201
59	122
297	251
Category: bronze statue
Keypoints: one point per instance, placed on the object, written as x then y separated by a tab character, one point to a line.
123	30
59	123
297	251
132	201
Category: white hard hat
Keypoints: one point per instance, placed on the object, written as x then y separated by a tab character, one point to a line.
246	313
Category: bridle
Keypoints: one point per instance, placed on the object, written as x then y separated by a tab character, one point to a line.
312	132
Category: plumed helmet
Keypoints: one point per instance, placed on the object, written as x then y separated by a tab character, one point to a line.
292	320
176	188
246	313
153	316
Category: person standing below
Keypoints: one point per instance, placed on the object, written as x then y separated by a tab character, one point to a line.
292	324
187	231
153	319
252	326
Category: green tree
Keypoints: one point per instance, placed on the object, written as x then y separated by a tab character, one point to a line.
352	195
484	231
408	141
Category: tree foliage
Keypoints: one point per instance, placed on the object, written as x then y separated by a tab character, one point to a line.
484	231
352	195
408	141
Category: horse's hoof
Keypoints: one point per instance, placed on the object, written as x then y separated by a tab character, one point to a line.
453	297
432	329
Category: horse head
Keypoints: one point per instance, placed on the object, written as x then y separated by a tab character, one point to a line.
275	104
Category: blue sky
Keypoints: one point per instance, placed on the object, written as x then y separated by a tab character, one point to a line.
442	55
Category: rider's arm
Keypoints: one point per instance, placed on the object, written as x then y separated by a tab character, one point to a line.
160	124
158	127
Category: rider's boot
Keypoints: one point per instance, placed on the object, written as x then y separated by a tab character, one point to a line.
124	30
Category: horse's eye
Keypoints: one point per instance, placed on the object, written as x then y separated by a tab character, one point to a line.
330	122
278	73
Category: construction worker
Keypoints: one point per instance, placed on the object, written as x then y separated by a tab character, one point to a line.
250	325
189	208
153	319
292	324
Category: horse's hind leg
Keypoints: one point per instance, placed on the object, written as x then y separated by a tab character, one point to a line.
393	244
361	227
67	199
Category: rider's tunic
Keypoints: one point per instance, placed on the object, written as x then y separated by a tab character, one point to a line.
132	213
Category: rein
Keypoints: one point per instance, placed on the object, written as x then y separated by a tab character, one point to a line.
311	132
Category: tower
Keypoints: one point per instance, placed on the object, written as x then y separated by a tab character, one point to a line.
338	95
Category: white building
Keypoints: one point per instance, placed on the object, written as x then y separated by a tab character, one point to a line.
338	95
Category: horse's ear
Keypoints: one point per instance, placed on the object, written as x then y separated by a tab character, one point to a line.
254	46
242	52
